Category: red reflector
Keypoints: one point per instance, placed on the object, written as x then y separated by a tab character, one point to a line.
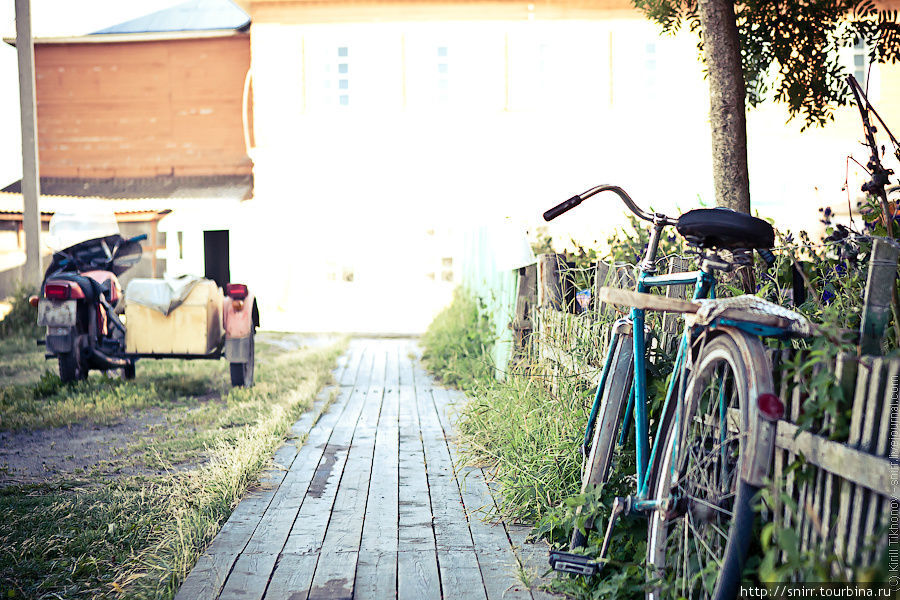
57	291
770	406
238	291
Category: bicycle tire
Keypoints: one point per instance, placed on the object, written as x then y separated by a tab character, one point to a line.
606	428
721	506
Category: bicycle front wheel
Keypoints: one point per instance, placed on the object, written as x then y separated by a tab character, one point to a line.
697	545
606	429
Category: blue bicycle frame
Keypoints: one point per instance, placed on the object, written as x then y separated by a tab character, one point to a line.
704	287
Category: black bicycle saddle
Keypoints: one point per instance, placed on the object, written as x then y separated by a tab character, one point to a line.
725	229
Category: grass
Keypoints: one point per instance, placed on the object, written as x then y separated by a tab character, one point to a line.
134	523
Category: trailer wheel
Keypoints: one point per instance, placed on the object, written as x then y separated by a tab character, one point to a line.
128	371
242	373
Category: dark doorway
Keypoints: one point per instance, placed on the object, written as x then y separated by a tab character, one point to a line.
215	256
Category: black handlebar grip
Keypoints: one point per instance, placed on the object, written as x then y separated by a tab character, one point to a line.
564	207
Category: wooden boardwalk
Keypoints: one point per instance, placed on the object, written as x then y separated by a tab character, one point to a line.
373	505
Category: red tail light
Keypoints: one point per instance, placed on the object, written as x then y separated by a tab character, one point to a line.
58	291
770	407
238	291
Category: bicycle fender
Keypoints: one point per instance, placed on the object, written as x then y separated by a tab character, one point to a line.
757	464
756	467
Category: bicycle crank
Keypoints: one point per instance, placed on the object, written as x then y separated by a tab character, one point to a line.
576	564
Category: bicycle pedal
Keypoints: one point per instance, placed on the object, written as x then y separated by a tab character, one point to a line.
576	564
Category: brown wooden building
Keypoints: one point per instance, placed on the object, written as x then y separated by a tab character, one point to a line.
161	95
142	107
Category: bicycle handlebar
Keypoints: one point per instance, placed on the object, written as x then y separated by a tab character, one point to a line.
622	194
563	207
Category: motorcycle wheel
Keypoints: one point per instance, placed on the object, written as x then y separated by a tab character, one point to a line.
242	373
69	368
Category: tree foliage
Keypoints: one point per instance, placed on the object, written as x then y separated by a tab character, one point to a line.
791	50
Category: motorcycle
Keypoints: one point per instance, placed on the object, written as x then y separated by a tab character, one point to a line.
80	293
80	299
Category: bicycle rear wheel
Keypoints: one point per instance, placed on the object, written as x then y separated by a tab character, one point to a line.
697	546
606	429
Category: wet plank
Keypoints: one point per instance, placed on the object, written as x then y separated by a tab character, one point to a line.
208	577
336	569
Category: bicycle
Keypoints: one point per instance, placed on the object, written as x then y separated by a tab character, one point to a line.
714	444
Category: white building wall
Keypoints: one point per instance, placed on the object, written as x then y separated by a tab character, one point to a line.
447	126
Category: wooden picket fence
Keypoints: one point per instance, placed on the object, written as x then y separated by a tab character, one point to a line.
838	490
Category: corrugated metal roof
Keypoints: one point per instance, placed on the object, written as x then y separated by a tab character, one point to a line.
194	15
13	203
227	187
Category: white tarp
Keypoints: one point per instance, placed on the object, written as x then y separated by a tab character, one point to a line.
162	295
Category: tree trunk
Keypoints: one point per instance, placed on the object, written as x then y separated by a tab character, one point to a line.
727	114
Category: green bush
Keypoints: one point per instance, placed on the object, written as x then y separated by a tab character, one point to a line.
458	342
22	319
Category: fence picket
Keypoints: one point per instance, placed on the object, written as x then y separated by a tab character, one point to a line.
862	496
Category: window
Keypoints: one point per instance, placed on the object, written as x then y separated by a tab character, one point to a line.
860	59
443	71
650	71
343	76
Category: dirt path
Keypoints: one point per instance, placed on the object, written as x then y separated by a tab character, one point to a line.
79	450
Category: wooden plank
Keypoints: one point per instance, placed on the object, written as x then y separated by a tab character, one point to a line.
794	408
845	507
417	570
250	576
251	519
861	496
379	536
209	574
461	575
355	355
880	504
309	529
291	577
876	309
334	576
365	375
405	367
662	303
550	285
533	556
259	558
335	569
845	372
451	529
417	576
781	457
392	366
496	557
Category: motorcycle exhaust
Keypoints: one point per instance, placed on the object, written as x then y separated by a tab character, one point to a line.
108	362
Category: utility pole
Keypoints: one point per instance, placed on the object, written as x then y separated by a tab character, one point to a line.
31	182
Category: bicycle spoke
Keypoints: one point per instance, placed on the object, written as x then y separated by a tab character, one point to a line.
699	536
